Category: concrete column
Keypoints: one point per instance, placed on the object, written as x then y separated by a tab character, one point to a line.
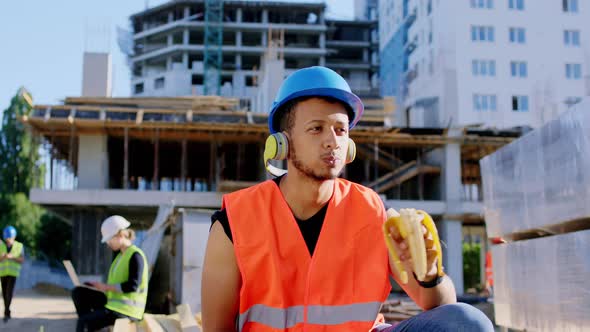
185	60
263	40
238	61
93	162
185	37
451	230
265	16
168	63
187	12
239	39
239	15
322	61
322	40
169	40
170	17
365	55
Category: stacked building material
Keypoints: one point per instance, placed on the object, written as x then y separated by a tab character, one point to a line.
536	198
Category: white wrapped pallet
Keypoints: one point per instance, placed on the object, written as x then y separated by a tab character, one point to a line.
543	284
541	179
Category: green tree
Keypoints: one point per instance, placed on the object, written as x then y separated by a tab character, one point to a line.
471	269
18	211
21	170
19	152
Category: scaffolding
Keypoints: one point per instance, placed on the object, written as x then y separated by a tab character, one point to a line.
213	58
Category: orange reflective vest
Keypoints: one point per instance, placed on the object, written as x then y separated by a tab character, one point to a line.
340	288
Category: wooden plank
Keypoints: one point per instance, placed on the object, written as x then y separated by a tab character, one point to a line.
72	116
168	323
188	323
117	109
124	325
47	115
139	117
151	324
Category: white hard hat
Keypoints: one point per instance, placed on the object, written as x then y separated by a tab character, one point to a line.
111	226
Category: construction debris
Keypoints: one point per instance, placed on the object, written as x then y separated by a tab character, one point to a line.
183	321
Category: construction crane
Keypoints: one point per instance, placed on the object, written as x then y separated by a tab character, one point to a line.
213	43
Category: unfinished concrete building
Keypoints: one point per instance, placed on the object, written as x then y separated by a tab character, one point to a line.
132	155
171	46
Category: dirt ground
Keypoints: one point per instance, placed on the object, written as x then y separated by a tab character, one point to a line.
40	310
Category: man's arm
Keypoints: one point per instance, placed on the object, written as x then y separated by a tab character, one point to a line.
425	298
430	298
220	288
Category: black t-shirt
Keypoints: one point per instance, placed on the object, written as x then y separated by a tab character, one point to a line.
310	228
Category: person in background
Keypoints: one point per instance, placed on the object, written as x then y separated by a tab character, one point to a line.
12	256
124	295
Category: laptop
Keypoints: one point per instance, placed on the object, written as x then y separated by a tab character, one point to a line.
74	276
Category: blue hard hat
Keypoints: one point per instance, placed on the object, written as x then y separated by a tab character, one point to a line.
9	232
314	81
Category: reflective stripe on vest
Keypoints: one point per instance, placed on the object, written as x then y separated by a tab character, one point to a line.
279	318
338	288
10	267
130	304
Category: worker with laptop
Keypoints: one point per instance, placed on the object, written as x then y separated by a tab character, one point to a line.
124	295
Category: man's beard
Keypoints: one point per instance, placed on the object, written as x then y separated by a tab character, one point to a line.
308	171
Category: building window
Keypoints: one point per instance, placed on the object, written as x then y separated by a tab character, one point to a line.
138	88
570	6
569	101
489	4
517	35
516	4
571	37
520	103
159	83
482	33
482	103
518	69
573	71
483	67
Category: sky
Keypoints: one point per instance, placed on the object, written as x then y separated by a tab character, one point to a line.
43	43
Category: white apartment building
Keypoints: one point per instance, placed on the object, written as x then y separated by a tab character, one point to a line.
491	63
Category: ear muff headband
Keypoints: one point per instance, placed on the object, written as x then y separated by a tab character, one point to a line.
276	148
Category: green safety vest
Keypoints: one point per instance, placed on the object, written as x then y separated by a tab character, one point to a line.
9	267
129	304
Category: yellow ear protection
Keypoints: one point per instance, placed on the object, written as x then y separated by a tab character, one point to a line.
277	148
